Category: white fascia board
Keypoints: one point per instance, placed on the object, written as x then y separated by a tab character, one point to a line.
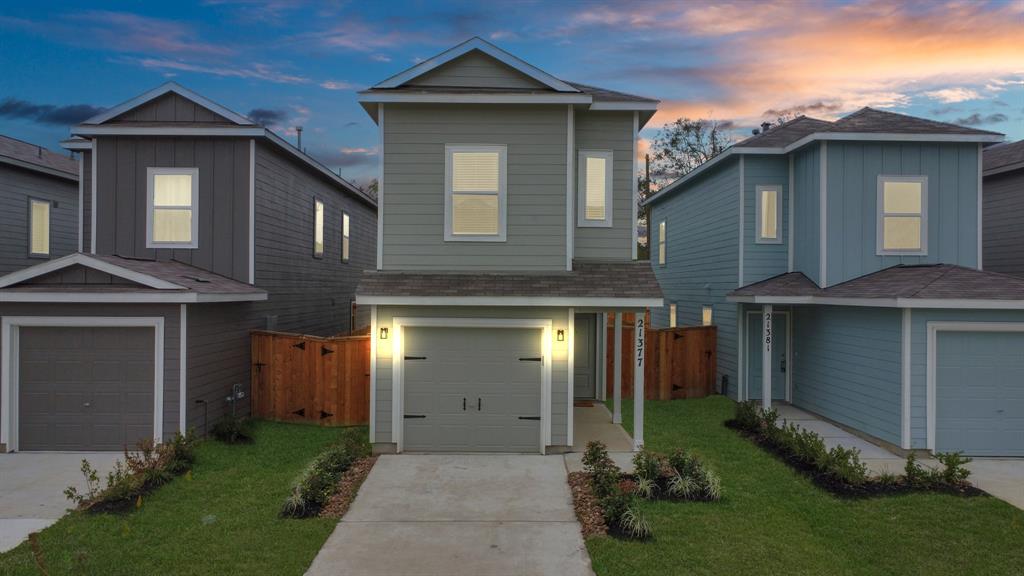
179	297
38	168
485	47
692	174
76	144
164	89
625	106
169	130
927	303
464	98
89	262
1001	169
312	162
539	301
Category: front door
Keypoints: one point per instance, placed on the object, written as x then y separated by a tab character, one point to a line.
585	358
780	326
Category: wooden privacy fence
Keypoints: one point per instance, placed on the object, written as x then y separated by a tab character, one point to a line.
299	377
678	362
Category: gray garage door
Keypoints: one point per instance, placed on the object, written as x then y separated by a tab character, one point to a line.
84	388
979	393
472	389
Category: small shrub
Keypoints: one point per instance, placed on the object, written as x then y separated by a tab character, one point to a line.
691	479
748	416
633	524
954	472
614	505
916	475
647	465
233	430
807	445
844	465
604	474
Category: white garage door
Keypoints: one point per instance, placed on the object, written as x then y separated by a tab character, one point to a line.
472	389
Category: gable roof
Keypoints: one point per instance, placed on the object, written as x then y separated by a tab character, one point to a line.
149	281
476	43
871	121
905	286
1003	158
32	157
169	87
786	133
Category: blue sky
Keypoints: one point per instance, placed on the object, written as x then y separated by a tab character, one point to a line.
301	63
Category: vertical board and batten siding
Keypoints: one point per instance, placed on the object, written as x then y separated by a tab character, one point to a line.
919	358
307	295
762	261
807	211
852	187
607	131
414	172
702	257
17	187
170	107
223	212
847	366
478	70
172	340
1002	216
559	369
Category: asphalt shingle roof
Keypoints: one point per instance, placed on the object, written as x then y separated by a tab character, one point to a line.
868	120
1003	156
786	133
587	280
38	156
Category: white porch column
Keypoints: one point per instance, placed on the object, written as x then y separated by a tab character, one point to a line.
617	372
638	382
766	358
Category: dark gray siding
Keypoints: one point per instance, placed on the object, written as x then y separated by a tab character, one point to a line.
307	294
17	185
223	209
171	314
170	108
1002	216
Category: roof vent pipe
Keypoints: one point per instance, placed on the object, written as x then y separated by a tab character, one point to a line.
765	126
298	131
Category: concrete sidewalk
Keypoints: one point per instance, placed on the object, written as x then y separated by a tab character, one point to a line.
423	515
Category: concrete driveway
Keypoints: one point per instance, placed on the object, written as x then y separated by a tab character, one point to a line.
1000	477
32	489
458	515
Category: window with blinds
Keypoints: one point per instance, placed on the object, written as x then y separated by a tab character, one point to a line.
344	237
594	184
39	227
902	215
661	243
475	193
318	229
768	202
172	201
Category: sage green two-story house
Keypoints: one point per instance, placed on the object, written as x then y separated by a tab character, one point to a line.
507	211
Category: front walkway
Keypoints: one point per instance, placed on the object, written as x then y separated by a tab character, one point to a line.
424	515
595	423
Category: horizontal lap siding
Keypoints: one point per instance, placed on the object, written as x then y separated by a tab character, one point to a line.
702	264
852	187
414	140
17	186
559	369
807	211
1003	223
172	338
763	261
607	131
847	366
307	294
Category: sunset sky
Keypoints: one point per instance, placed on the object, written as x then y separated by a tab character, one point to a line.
289	62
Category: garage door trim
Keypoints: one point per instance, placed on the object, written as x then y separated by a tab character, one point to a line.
398	361
933	329
9	358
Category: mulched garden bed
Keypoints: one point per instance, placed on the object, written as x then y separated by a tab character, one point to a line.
348	486
877	486
588	510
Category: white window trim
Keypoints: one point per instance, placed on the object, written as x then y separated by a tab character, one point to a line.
323	225
662	247
581	189
502	150
346	237
151	172
880	215
759	237
49	228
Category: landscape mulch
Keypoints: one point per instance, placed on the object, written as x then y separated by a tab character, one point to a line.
588	510
348	487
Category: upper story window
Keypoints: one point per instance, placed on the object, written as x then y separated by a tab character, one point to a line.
707	315
39	227
671	315
902	215
318	229
661	243
474	193
344	236
172	202
594	185
768	215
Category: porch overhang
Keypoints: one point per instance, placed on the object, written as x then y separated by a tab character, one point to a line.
513	301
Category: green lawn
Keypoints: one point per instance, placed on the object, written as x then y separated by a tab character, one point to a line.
221	521
774	521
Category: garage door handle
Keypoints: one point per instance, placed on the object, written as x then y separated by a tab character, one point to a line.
415	357
413	416
529	417
537	359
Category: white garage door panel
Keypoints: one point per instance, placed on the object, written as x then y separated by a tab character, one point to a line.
979	390
466	389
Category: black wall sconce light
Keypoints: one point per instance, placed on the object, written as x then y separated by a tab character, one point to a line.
560	335
383	333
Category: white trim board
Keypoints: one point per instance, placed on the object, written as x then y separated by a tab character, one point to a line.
183	370
557	301
933	329
823	217
471	98
570	361
9	365
884	302
89	262
398	361
636	193
160	91
252	211
373	373
570	145
37	168
168	130
92	199
742	218
81	201
790	228
380	187
176	297
905	377
789	353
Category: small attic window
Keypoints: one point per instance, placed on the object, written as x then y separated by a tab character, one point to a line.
172	201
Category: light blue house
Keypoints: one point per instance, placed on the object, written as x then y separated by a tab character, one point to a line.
842	264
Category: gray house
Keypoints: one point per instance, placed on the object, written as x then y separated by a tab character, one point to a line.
1003	208
843	264
507	232
39	207
198	226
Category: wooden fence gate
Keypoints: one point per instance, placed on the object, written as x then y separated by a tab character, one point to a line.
678	362
299	377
